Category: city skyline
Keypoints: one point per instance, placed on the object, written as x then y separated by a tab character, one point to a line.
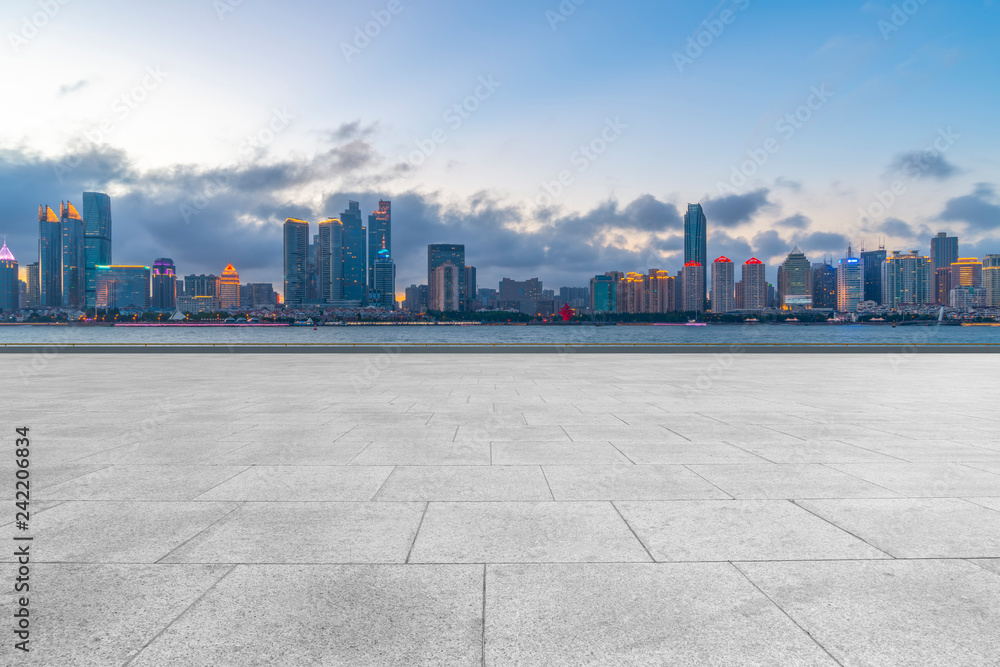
546	164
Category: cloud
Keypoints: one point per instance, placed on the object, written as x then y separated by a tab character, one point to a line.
70	88
923	164
897	228
797	221
734	210
788	184
979	210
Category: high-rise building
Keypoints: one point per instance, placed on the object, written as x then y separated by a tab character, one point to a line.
385	281
355	256
659	292
123	286
991	280
229	289
632	293
97	241
296	262
906	279
49	258
695	242
164	279
34	285
944	251
312	286
73	257
10	284
966	272
795	281
440	253
723	286
445	287
416	299
942	285
694	287
825	286
967	298
603	294
754	285
850	283
379	235
471	284
871	262
330	261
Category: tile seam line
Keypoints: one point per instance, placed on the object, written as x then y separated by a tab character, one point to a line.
416	533
233	476
787	615
185	542
179	616
632	530
687	466
841	528
830	466
385	481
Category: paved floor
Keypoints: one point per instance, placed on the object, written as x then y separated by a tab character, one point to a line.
560	509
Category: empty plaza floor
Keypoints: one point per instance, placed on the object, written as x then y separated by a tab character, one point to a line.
533	509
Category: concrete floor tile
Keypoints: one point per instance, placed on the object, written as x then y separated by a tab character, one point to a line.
920	451
295	483
364	615
465	483
571	615
926	479
292	532
628	482
291	454
891	613
815	451
525	532
991	564
555	453
622	433
101	614
789	482
176	453
431	454
992	503
151	482
917	527
729	530
684	452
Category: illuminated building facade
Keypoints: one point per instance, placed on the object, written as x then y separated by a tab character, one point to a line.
825	286
871	265
966	272
385	281
991	280
97	241
850	283
72	257
10	285
944	251
604	294
753	285
694	287
723	285
296	261
441	253
379	235
695	245
229	289
906	279
164	279
49	258
123	286
659	292
329	261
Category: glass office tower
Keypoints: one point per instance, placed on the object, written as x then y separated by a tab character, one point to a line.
97	240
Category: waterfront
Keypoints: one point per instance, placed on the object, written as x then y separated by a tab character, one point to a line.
755	334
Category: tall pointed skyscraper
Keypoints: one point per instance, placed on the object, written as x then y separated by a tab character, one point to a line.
73	257
49	258
379	236
695	240
355	257
296	251
9	283
97	240
330	261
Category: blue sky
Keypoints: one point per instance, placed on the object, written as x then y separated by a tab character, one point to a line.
167	105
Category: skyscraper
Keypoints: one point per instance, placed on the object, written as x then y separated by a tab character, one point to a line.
164	278
73	257
385	280
603	294
296	261
330	261
49	258
991	280
871	261
723	286
941	285
906	279
34	286
229	289
379	235
659	292
966	272
850	283
355	258
440	253
470	285
445	293
944	251
97	240
694	287
695	242
10	286
754	285
795	281
123	286
825	286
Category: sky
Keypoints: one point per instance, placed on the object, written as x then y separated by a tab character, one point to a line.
556	139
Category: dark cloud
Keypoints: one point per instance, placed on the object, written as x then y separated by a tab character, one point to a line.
822	242
979	210
797	221
735	210
788	184
351	131
897	228
923	164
